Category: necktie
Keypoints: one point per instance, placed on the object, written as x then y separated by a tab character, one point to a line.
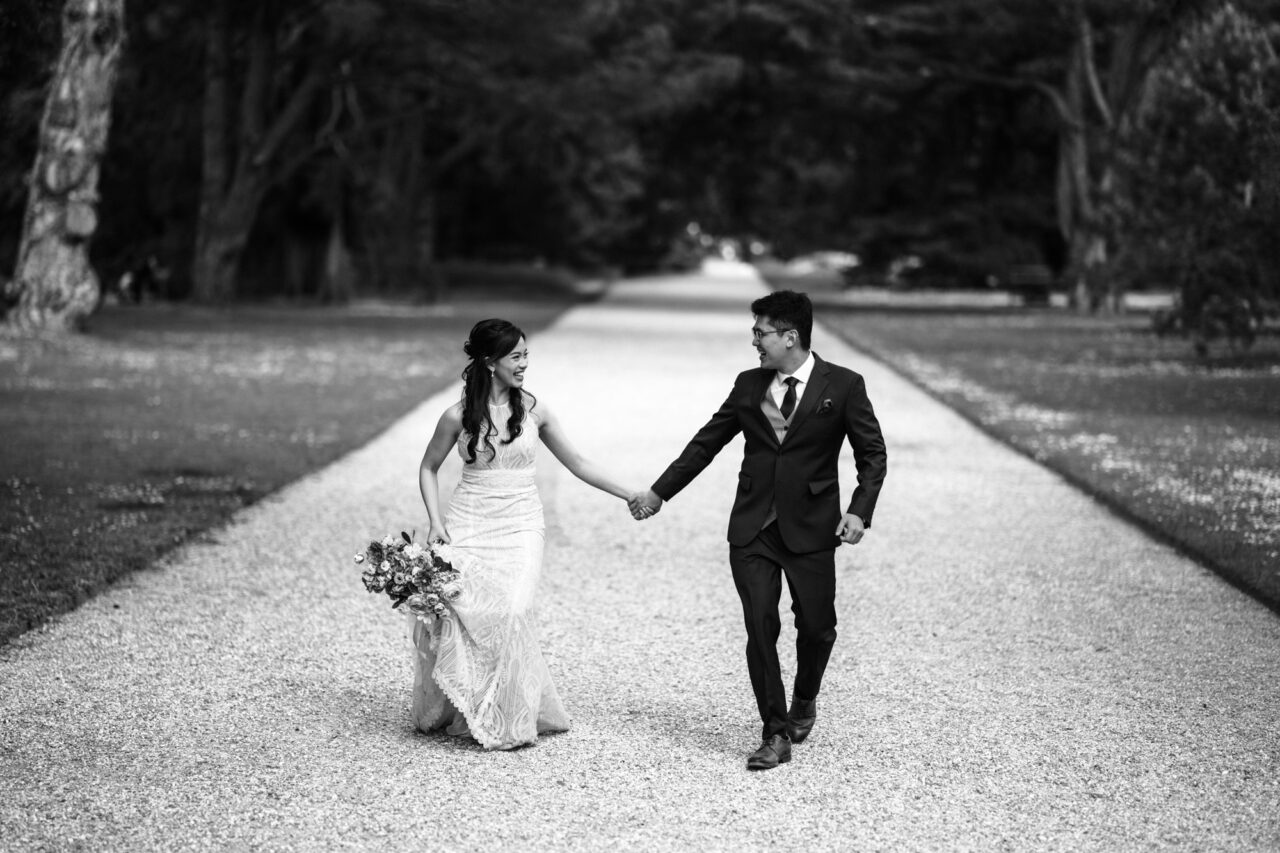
789	399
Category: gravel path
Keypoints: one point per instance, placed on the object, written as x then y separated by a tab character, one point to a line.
1016	668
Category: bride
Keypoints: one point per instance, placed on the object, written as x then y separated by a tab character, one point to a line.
480	670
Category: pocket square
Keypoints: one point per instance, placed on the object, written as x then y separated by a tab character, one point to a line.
825	406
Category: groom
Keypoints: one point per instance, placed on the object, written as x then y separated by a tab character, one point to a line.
794	412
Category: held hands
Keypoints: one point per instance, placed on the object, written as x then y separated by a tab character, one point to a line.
850	529
644	504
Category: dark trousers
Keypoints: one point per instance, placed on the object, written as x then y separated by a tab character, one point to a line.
757	571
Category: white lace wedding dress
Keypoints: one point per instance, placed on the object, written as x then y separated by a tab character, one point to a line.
480	669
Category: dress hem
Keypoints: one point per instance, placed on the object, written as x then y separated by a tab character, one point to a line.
476	730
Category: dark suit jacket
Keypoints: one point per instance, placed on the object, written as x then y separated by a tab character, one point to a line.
799	475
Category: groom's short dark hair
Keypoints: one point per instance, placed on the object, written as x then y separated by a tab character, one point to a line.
789	310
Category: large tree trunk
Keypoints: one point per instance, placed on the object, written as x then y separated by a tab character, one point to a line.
1090	186
397	193
406	222
218	246
54	285
239	160
1087	193
221	237
1075	187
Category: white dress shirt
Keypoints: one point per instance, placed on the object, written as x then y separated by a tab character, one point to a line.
778	388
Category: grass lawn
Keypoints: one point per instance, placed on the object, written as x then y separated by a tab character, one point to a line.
1188	448
165	419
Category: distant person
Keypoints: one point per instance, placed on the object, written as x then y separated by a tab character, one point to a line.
795	412
479	670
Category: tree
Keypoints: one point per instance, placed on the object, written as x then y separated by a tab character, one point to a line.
454	100
958	139
260	86
29	30
1116	45
1205	173
361	110
54	285
1089	60
331	145
761	126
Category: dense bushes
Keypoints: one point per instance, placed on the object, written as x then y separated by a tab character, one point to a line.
1204	168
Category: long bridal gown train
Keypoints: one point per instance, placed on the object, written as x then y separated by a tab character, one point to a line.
480	669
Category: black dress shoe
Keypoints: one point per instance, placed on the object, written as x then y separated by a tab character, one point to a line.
774	751
800	719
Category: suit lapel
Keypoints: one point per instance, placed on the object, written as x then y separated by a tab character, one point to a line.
813	391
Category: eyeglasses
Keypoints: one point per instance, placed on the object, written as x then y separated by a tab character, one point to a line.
757	334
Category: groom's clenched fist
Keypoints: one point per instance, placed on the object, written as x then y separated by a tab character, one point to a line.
850	529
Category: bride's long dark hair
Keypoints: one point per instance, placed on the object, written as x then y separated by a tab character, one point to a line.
490	340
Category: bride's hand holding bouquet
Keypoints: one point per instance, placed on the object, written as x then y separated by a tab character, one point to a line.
421	578
437	534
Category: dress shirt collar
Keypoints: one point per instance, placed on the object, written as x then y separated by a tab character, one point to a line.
802	372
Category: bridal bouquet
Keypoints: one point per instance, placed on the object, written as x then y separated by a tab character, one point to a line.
422	579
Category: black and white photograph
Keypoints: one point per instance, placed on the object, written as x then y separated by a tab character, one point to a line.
656	425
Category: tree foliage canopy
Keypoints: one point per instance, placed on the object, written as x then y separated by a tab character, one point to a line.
1205	171
323	148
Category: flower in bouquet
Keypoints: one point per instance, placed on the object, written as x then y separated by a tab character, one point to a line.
421	578
417	604
373	581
